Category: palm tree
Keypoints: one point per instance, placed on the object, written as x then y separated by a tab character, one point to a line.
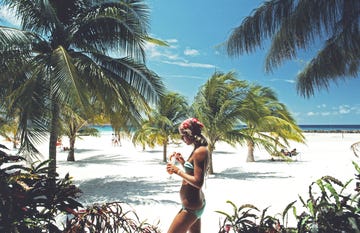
162	125
268	122
72	121
61	56
9	130
297	25
218	106
224	103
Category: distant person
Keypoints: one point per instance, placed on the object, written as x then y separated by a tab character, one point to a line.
195	167
293	152
115	140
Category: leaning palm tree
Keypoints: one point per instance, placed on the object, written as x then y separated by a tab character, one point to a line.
268	122
68	51
218	106
162	125
294	25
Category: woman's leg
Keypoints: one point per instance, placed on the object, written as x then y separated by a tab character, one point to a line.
196	227
182	222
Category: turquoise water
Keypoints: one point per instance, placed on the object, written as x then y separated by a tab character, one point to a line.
108	128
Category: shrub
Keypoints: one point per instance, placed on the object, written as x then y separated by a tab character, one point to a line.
29	204
331	207
107	217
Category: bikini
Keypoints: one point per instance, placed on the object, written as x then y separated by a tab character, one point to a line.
189	168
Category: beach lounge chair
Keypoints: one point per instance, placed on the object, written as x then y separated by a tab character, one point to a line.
286	155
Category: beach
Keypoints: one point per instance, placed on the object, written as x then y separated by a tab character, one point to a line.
128	174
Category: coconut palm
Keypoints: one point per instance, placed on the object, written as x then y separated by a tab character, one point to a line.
268	122
9	130
68	51
294	25
162	125
224	103
72	121
218	106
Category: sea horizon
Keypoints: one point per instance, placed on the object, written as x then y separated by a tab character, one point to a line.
304	127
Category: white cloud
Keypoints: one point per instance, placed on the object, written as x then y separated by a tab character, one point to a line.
191	52
335	111
190	64
311	114
321	106
282	80
169	55
344	109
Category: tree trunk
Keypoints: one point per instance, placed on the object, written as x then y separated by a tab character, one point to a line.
54	132
71	154
211	167
250	156
165	152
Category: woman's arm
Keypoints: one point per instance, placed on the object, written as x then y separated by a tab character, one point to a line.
200	157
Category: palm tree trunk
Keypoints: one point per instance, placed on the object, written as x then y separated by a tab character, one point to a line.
54	132
211	167
250	156
165	152
71	154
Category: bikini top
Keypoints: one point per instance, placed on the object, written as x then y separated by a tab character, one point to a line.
188	167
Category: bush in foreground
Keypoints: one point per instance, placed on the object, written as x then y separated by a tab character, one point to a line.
28	204
330	207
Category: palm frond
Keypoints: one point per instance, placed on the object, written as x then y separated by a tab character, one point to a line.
116	27
343	52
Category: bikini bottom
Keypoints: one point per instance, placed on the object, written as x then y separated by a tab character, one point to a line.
197	212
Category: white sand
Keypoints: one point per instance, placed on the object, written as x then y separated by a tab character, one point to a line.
126	173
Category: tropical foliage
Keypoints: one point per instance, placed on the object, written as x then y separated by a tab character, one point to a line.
218	106
26	202
28	205
294	25
224	104
162	125
9	130
72	123
67	53
108	217
268	122
332	206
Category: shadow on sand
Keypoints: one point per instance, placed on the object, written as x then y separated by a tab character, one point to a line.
235	173
136	191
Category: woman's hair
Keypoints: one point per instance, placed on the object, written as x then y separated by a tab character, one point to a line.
191	127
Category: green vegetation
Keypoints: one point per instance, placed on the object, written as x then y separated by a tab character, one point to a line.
224	102
293	26
60	57
162	125
27	204
330	207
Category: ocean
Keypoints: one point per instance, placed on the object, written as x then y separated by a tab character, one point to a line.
305	128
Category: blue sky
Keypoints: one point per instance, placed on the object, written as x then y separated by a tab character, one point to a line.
195	31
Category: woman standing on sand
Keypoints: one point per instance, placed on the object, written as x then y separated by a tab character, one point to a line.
191	195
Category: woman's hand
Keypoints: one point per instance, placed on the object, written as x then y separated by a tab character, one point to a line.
179	158
170	168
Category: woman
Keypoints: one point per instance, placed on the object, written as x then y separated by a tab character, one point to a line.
191	195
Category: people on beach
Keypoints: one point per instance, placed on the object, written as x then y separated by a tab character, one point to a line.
193	174
291	153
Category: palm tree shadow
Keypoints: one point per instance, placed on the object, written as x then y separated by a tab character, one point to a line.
234	173
96	159
136	191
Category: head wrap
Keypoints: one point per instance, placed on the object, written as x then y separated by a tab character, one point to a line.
191	127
